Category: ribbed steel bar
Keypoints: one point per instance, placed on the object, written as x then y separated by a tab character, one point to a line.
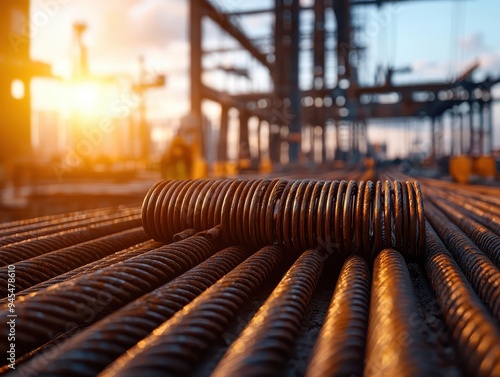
114	258
89	352
264	345
481	214
340	347
486	240
474	331
460	198
43	221
482	274
56	313
67	225
173	347
44	267
41	245
395	344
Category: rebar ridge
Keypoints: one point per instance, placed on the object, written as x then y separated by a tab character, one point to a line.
50	314
174	347
340	347
395	346
463	311
264	345
89	352
336	216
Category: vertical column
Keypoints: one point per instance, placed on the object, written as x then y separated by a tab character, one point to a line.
481	129
244	145
259	140
274	143
433	139
337	139
196	54
294	92
286	74
490	128
342	14
461	125
471	128
319	44
223	130
324	156
453	135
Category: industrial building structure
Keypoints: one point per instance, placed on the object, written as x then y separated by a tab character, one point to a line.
345	103
16	71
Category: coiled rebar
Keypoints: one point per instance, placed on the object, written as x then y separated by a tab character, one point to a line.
336	216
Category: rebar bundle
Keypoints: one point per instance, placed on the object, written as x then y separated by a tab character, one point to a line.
260	277
336	216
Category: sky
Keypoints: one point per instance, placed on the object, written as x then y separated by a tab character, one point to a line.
437	39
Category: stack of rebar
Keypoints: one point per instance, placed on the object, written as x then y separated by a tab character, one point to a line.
258	277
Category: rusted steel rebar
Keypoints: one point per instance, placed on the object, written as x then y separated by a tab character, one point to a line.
263	347
89	352
395	345
44	267
175	346
485	239
51	315
64	226
35	223
472	328
482	274
34	247
340	347
112	259
337	216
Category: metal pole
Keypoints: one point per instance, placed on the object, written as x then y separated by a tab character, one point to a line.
471	128
196	88
481	128
490	128
294	91
433	139
223	130
461	125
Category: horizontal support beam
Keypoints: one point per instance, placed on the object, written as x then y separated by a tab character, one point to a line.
225	23
257	12
228	100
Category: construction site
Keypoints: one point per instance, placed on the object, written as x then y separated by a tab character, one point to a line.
295	191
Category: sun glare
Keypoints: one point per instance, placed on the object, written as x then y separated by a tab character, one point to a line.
87	98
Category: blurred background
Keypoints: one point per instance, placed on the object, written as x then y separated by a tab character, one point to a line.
100	99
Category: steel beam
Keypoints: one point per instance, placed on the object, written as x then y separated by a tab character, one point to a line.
223	20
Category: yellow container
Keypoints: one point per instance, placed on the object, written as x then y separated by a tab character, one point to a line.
232	168
485	166
219	169
369	163
200	168
461	168
266	166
